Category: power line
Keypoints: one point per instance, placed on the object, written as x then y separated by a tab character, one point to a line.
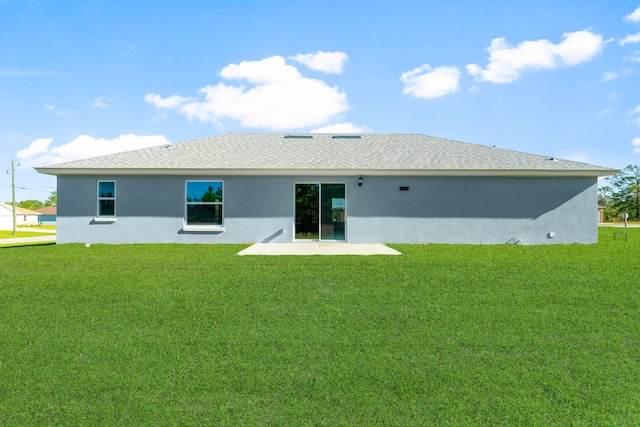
30	188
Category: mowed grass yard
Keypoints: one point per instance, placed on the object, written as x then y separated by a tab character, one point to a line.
442	335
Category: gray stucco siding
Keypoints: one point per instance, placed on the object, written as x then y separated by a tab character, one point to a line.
150	209
474	210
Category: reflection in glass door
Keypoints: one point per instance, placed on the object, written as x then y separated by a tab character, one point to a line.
307	217
320	211
332	211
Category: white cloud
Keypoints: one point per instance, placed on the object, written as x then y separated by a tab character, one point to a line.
430	83
68	113
635	111
506	63
612	75
327	62
64	113
101	102
633	58
342	128
605	112
40	152
636	145
173	101
37	147
633	16
631	38
579	47
280	98
269	70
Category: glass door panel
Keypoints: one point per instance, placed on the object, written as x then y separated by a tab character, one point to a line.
332	215
320	212
307	223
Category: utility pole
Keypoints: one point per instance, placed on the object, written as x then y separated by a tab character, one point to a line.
13	194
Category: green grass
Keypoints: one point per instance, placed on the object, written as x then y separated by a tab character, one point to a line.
442	335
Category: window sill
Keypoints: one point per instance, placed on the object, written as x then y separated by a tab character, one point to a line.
204	228
104	219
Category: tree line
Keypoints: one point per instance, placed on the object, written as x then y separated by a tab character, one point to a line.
32	204
621	194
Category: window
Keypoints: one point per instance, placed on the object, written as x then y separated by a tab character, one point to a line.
204	204
107	199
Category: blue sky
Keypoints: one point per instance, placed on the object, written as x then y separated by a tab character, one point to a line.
84	78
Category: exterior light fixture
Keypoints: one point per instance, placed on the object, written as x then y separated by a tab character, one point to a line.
360	182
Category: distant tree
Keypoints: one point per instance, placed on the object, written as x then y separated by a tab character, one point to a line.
52	200
625	192
606	201
212	196
307	221
31	204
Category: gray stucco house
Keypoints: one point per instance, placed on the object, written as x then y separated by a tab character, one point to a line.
369	188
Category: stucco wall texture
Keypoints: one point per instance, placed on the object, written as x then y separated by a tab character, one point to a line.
476	210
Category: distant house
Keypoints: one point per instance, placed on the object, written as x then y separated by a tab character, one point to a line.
24	217
600	213
47	215
382	188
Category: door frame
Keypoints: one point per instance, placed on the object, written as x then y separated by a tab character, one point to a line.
320	184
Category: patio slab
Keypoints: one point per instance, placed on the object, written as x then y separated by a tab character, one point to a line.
318	249
34	239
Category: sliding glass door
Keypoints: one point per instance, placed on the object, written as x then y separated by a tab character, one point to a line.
332	213
307	211
320	211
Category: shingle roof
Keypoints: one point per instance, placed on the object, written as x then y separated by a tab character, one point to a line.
48	210
6	209
279	153
24	211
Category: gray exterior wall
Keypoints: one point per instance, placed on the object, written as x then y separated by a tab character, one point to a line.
483	210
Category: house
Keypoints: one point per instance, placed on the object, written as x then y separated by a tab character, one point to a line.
47	215
24	217
368	188
600	213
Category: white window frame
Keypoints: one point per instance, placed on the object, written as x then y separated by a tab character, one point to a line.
106	218
204	227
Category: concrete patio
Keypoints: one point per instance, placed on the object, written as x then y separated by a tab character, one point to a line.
315	248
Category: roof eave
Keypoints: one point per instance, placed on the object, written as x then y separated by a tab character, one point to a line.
331	172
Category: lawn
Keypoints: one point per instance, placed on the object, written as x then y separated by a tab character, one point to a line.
442	335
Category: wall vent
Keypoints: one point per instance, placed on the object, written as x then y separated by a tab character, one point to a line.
404	188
